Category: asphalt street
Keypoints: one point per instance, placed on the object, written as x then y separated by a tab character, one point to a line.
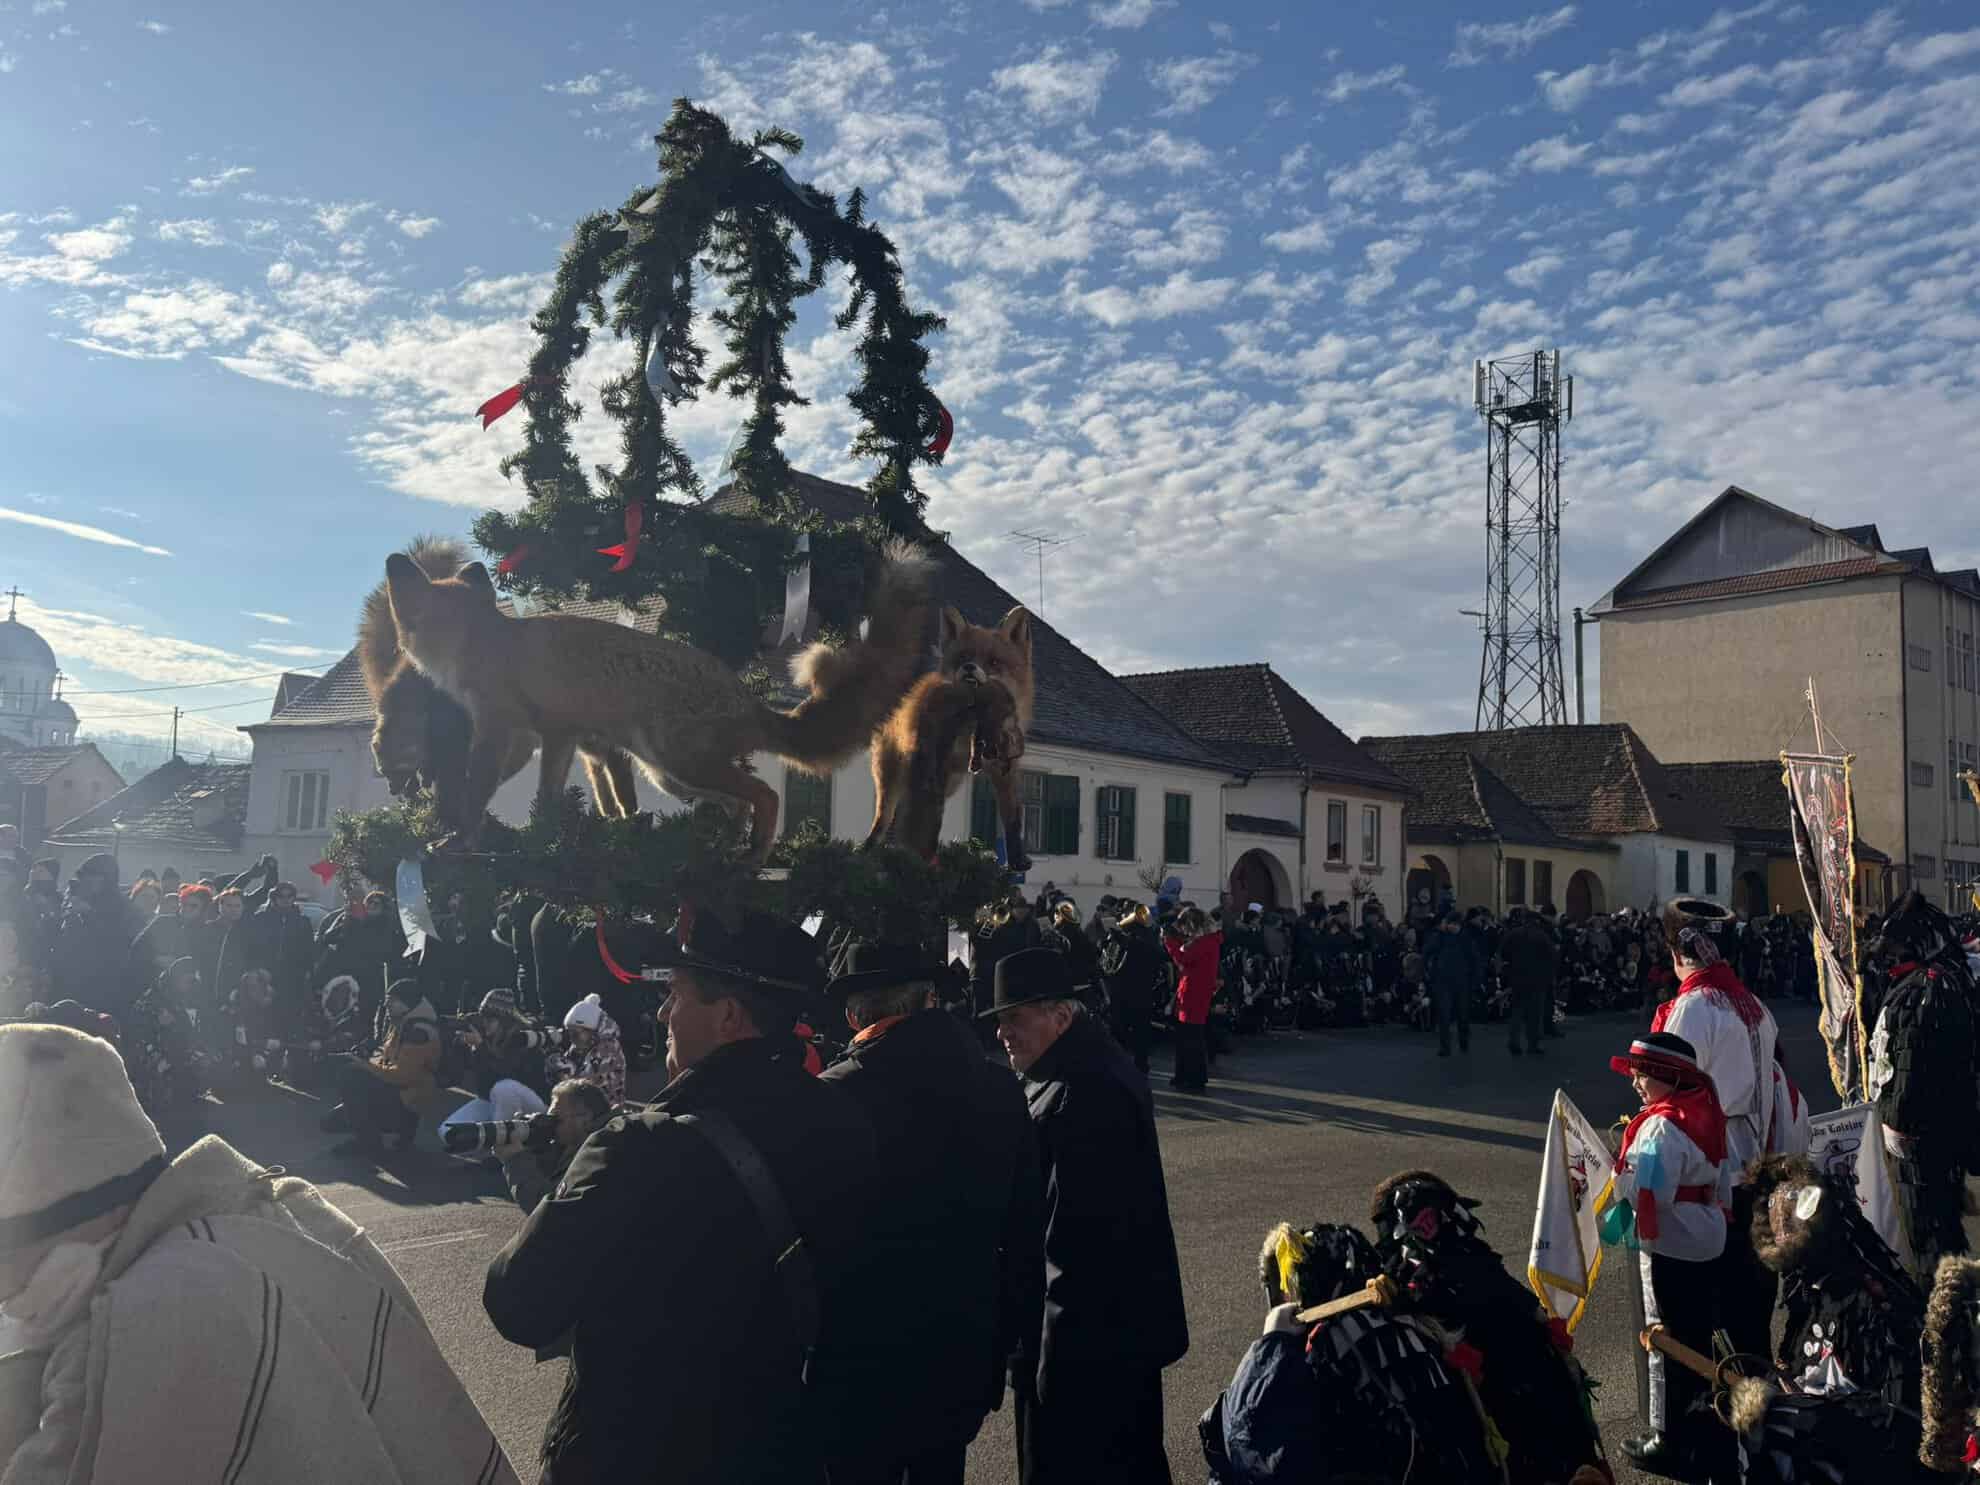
1298	1126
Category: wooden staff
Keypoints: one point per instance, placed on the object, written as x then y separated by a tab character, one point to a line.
1380	1292
1656	1338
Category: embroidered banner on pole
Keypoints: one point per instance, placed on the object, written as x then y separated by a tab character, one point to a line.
1823	818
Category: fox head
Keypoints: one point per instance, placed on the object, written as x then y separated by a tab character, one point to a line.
973	653
436	616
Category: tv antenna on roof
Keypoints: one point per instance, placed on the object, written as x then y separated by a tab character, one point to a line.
1039	542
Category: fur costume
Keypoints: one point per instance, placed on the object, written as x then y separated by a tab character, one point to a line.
1368	1394
1950	1388
1850	1344
1533	1389
1924	1073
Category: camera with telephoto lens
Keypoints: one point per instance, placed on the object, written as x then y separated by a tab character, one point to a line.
500	1136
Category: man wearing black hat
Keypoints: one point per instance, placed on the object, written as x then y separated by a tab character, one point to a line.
955	1236
1087	1380
703	1256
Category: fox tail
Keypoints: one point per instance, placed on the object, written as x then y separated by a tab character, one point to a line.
854	689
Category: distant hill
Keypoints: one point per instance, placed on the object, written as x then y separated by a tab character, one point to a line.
135	754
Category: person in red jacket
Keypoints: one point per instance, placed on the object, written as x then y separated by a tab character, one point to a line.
1195	947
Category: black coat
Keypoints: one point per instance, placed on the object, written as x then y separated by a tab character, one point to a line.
1131	961
1453	963
92	956
957	1240
1113	1288
1531	956
650	1255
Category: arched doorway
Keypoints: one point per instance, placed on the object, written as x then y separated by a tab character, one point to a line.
1585	897
1431	875
1259	877
1750	894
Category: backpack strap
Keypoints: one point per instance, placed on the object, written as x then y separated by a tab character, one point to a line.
793	1260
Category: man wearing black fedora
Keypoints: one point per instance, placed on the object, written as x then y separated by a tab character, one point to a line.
705	1256
954	1236
1087	1379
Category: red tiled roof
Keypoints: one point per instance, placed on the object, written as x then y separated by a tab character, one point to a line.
1760	582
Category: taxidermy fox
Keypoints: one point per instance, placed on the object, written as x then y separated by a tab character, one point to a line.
683	714
423	735
972	711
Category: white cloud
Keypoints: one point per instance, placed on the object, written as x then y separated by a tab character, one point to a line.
588	86
168	323
1530	274
1179	294
81	532
156	28
1640	123
1932	50
1382	258
1056	86
1191	82
1308	237
1694	91
1125	15
335	217
1178	155
48	7
1478	41
199	231
92	244
295	652
280	274
206	185
417	227
8	62
1347	85
281	619
1556	152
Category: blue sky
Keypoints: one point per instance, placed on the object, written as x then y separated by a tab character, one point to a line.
1215	277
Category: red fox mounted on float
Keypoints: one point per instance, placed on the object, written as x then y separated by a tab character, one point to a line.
423	735
683	714
974	710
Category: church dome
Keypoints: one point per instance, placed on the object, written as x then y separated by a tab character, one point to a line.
22	646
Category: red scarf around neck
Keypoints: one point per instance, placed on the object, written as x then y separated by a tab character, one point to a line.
1719	977
1696	1111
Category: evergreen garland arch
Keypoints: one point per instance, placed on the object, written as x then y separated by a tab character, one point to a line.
727	205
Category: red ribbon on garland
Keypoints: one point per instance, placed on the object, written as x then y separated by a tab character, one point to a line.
325	870
514	560
617	970
943	435
628	549
504	401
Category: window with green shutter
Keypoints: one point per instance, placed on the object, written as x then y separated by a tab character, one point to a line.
1175	829
806	798
1114	823
1058	815
983	811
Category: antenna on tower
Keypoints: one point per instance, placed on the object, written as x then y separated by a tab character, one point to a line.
1524	401
1039	541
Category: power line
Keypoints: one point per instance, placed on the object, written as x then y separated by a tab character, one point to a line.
184	711
239	680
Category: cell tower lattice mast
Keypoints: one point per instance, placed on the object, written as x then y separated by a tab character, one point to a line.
1524	401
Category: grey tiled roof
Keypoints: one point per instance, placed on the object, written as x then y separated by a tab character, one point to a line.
1079	703
199	805
31	766
1751	799
1252	714
1459	799
1596	780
